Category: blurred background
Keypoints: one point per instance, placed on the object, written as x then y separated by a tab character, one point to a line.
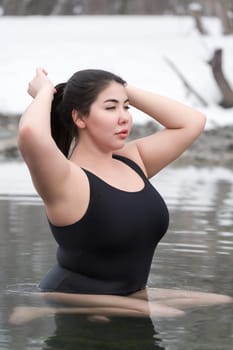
219	8
180	48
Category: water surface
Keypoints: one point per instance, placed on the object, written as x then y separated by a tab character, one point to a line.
195	254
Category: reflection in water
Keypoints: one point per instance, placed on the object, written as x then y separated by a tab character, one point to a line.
77	332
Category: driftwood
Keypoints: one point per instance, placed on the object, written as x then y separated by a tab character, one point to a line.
216	65
185	82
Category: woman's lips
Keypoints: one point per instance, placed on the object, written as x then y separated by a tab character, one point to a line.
122	133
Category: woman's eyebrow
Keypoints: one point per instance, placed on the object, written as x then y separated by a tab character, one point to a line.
114	100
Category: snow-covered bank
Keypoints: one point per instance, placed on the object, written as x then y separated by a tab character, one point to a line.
132	46
213	147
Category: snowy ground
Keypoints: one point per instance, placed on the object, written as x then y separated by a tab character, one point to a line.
132	46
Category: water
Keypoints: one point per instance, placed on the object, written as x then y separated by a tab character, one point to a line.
195	254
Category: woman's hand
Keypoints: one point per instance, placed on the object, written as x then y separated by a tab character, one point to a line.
40	82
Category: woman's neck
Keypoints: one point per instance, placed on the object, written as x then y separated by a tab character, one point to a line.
91	157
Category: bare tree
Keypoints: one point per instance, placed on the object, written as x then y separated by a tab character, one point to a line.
14	8
71	7
221	9
225	88
121	7
196	11
64	7
223	12
27	7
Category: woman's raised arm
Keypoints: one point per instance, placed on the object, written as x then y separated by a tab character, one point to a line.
182	125
49	168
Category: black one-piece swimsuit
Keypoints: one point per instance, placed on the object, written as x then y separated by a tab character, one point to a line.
110	249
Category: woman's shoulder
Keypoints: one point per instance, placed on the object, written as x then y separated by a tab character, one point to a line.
130	152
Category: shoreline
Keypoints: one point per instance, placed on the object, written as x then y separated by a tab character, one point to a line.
213	148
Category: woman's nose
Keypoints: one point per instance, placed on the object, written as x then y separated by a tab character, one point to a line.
124	116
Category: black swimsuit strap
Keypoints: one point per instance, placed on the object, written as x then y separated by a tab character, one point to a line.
131	164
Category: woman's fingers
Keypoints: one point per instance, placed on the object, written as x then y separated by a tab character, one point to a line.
39	81
41	70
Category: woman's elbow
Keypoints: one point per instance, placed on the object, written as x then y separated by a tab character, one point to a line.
203	120
199	123
24	139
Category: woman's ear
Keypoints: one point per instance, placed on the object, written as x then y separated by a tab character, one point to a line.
78	119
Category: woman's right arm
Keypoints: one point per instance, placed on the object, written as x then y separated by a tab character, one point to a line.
49	168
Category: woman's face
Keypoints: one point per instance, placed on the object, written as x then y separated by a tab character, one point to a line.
109	121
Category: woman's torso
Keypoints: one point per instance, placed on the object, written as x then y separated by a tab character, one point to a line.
109	250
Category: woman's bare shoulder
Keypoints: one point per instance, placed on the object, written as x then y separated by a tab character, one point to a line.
130	150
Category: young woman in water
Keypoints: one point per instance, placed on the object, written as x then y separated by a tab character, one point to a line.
104	213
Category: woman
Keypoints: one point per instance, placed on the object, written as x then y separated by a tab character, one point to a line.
103	212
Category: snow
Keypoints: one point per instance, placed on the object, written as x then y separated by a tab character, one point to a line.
195	6
134	47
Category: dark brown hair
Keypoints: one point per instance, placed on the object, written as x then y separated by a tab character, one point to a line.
80	91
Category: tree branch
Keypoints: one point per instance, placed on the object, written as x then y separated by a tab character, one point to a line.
185	82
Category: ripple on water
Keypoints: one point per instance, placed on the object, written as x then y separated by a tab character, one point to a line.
21	288
226	234
5	338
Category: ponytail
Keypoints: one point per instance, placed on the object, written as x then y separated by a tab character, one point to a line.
63	129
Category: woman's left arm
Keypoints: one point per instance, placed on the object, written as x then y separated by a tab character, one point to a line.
182	125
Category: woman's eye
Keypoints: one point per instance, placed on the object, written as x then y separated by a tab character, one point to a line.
114	107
